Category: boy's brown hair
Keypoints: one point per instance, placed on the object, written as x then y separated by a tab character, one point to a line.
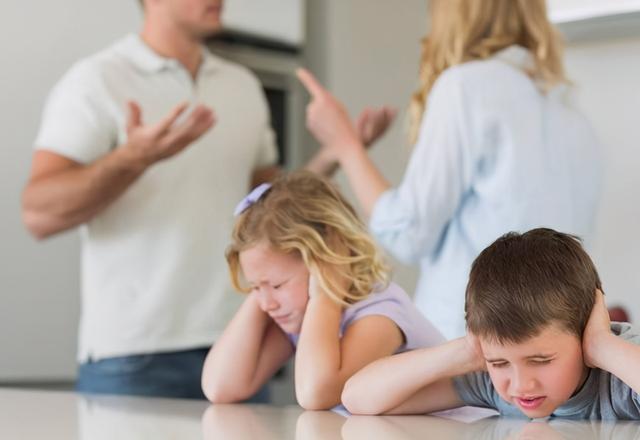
523	282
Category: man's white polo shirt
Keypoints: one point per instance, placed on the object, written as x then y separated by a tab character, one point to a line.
154	276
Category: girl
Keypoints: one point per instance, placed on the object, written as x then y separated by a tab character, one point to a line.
498	147
316	286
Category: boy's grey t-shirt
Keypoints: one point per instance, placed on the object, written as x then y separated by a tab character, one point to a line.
603	395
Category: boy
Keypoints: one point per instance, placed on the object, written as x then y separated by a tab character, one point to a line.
539	343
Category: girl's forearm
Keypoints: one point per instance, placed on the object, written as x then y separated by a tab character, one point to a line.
230	367
318	357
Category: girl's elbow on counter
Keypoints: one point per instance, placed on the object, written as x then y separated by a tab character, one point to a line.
317	396
218	393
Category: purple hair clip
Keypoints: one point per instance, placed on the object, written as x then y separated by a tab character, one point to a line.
251	198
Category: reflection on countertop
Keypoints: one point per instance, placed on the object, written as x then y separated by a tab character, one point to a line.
62	415
413	427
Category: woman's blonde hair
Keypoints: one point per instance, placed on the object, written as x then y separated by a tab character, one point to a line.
305	214
465	30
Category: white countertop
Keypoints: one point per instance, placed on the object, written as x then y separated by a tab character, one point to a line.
28	414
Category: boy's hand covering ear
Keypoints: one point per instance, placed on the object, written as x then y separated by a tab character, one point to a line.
596	332
476	358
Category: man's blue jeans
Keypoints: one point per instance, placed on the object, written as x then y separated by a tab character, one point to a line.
171	374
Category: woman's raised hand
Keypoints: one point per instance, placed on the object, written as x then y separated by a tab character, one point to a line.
327	118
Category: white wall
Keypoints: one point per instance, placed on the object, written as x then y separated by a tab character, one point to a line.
568	10
607	74
280	20
39	295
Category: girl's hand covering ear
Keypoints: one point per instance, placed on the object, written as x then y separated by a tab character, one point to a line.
314	286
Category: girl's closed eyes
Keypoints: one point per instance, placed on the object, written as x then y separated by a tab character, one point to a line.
317	288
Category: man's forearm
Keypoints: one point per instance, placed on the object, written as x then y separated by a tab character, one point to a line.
322	163
56	202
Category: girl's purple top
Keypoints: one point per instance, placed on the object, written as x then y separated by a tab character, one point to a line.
396	305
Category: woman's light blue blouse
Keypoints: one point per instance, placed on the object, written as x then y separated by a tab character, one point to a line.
494	154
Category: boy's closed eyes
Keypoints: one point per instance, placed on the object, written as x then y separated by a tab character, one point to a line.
538	374
539	343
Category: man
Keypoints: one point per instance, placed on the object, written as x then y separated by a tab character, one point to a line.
154	190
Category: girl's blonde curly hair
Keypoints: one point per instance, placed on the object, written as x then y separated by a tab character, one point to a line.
466	30
305	214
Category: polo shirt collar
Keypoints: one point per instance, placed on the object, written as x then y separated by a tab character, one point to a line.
145	59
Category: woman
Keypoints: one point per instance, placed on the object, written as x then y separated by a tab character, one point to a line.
498	147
